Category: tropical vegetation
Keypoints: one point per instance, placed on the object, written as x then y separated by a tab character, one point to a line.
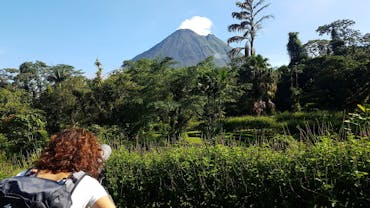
243	135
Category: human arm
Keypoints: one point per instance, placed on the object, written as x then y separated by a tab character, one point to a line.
104	202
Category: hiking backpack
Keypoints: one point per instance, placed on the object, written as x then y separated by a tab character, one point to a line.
30	191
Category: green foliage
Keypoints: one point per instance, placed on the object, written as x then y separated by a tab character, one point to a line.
310	124
183	102
214	85
112	135
31	77
316	48
60	73
63	104
358	123
23	133
335	82
256	82
14	101
324	175
251	122
249	130
22	128
295	49
340	31
7	169
12	165
301	125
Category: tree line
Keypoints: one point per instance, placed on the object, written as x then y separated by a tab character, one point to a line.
149	97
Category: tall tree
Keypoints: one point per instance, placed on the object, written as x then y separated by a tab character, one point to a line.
21	125
61	72
341	33
295	49
335	82
250	24
7	76
316	48
366	40
181	102
296	54
31	77
257	82
214	87
63	104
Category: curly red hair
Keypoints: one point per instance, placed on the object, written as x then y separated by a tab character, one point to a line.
72	150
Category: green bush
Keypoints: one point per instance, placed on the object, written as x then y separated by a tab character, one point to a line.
112	135
358	122
327	174
300	125
281	173
23	134
14	165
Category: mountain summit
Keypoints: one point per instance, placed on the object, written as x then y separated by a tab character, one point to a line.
188	49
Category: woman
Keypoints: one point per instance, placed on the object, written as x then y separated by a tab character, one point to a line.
71	151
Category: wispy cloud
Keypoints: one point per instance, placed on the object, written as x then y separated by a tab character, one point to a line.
200	25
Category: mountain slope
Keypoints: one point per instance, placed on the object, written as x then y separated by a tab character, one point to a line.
188	48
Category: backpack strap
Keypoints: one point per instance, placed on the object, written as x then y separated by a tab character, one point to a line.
31	172
71	182
74	180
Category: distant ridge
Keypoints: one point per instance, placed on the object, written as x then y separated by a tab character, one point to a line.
188	49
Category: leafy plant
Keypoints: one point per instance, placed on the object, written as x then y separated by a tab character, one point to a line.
358	123
23	133
283	173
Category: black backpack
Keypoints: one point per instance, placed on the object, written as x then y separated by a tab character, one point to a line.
32	192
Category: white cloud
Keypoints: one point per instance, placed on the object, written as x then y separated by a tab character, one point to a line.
217	56
200	25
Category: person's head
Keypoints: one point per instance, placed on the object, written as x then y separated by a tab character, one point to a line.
72	150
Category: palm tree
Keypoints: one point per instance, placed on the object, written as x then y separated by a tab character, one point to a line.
61	72
250	24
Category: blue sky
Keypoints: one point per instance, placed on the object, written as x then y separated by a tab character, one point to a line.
76	32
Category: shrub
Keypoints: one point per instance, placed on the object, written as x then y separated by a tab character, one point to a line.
326	174
14	165
23	134
358	123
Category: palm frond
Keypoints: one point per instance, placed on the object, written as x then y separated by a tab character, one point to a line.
238	15
236	39
248	4
234	27
260	9
257	27
258	4
242	5
245	24
259	21
234	52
